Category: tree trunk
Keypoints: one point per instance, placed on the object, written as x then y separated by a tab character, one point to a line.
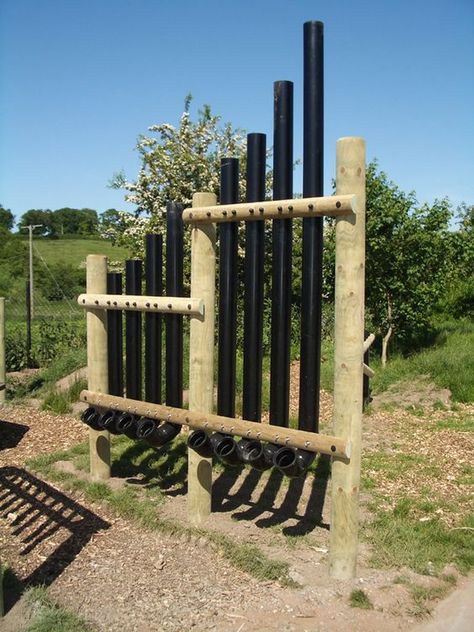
385	340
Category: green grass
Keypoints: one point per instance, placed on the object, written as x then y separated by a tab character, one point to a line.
49	617
399	539
359	599
140	503
75	251
449	363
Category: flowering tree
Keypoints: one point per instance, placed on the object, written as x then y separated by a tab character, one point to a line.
175	163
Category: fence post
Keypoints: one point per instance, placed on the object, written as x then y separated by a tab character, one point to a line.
201	355
3	385
348	357
97	369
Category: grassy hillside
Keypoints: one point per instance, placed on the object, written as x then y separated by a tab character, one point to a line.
75	251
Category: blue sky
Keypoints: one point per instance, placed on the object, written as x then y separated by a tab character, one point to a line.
80	80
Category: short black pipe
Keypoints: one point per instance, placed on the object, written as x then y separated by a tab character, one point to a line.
285	460
253	283
251	452
269	451
133	331
107	421
281	252
154	433
154	287
126	424
227	293
304	458
90	417
312	259
200	442
115	338
225	448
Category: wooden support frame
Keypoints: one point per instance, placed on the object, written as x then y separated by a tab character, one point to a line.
201	356
160	304
348	358
331	205
97	367
311	441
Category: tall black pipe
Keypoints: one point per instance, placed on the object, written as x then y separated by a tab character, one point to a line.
281	251
253	282
174	287
312	264
133	331
154	287
115	338
227	292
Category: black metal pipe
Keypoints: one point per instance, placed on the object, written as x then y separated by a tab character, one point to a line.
133	331
127	424
225	448
154	433
90	417
154	287
253	282
115	338
174	287
285	460
252	453
29	361
366	391
108	421
312	260
200	442
281	252
227	293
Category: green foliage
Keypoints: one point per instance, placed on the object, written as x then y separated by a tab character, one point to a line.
359	599
48	616
70	221
61	280
57	403
7	218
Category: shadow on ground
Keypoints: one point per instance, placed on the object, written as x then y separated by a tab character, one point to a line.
36	512
11	434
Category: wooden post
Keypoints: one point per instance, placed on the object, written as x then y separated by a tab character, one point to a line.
2	352
201	355
97	370
348	357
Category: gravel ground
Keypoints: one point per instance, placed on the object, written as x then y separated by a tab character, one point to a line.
121	578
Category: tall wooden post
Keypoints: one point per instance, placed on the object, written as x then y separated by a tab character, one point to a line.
348	357
2	352
201	355
97	371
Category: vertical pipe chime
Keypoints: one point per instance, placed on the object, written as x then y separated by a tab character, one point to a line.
133	331
115	338
312	264
153	322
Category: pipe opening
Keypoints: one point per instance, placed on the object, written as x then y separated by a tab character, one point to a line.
147	427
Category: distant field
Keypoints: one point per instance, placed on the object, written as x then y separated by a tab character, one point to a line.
75	251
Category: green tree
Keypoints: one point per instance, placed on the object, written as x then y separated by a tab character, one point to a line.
175	163
7	218
74	221
408	261
42	217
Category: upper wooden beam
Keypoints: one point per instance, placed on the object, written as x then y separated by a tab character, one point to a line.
332	205
164	304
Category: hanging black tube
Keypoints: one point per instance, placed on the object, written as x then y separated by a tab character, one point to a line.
154	287
174	287
312	264
281	251
133	331
253	282
115	338
227	292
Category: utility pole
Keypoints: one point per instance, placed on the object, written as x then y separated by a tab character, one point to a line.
31	228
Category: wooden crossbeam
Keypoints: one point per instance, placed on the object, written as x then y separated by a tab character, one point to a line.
313	442
332	205
165	304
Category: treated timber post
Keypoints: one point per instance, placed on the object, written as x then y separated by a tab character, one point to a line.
348	357
2	352
97	371
201	355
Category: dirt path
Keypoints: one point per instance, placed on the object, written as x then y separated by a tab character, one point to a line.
121	578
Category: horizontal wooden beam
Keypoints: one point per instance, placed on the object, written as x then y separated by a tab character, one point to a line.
332	205
313	442
165	304
368	342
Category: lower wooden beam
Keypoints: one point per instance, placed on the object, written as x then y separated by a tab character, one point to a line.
313	442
